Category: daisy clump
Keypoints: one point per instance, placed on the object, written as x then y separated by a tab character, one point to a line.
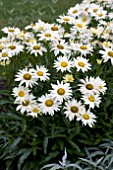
63	67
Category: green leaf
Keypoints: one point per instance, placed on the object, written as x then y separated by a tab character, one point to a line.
23	157
45	144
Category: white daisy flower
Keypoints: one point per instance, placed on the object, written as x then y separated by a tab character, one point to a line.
75	11
36	48
87	118
101	14
24	35
14	47
65	19
48	105
21	93
73	108
33	110
88	86
11	31
60	47
25	105
5	54
41	73
61	91
107	54
26	77
63	64
47	35
84	49
101	85
82	64
92	100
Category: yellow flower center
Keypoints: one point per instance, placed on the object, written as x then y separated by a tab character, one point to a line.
110	53
81	64
1	47
36	47
74	109
83	47
47	35
11	30
21	93
54	28
12	47
75	11
22	36
4	54
59	46
80	25
27	76
25	102
61	91
64	64
40	73
41	28
91	98
95	10
100	15
84	19
35	110
86	116
49	103
89	86
66	19
100	87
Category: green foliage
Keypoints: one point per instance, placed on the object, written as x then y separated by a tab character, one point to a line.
30	143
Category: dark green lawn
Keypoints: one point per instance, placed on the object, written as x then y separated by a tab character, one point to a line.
22	12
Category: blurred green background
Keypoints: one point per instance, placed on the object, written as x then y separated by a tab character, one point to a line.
21	13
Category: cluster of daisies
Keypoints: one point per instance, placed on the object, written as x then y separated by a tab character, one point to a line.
64	53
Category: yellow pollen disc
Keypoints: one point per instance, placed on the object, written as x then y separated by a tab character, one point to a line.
33	24
75	11
110	53
59	46
22	36
41	28
64	64
74	109
36	47
61	91
86	116
95	10
54	28
81	64
12	47
100	15
4	54
27	76
49	103
66	19
11	30
40	73
83	47
25	103
100	87
89	86
91	99
80	25
35	110
21	93
47	35
1	47
84	19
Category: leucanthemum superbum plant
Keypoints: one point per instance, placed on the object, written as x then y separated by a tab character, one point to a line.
61	72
